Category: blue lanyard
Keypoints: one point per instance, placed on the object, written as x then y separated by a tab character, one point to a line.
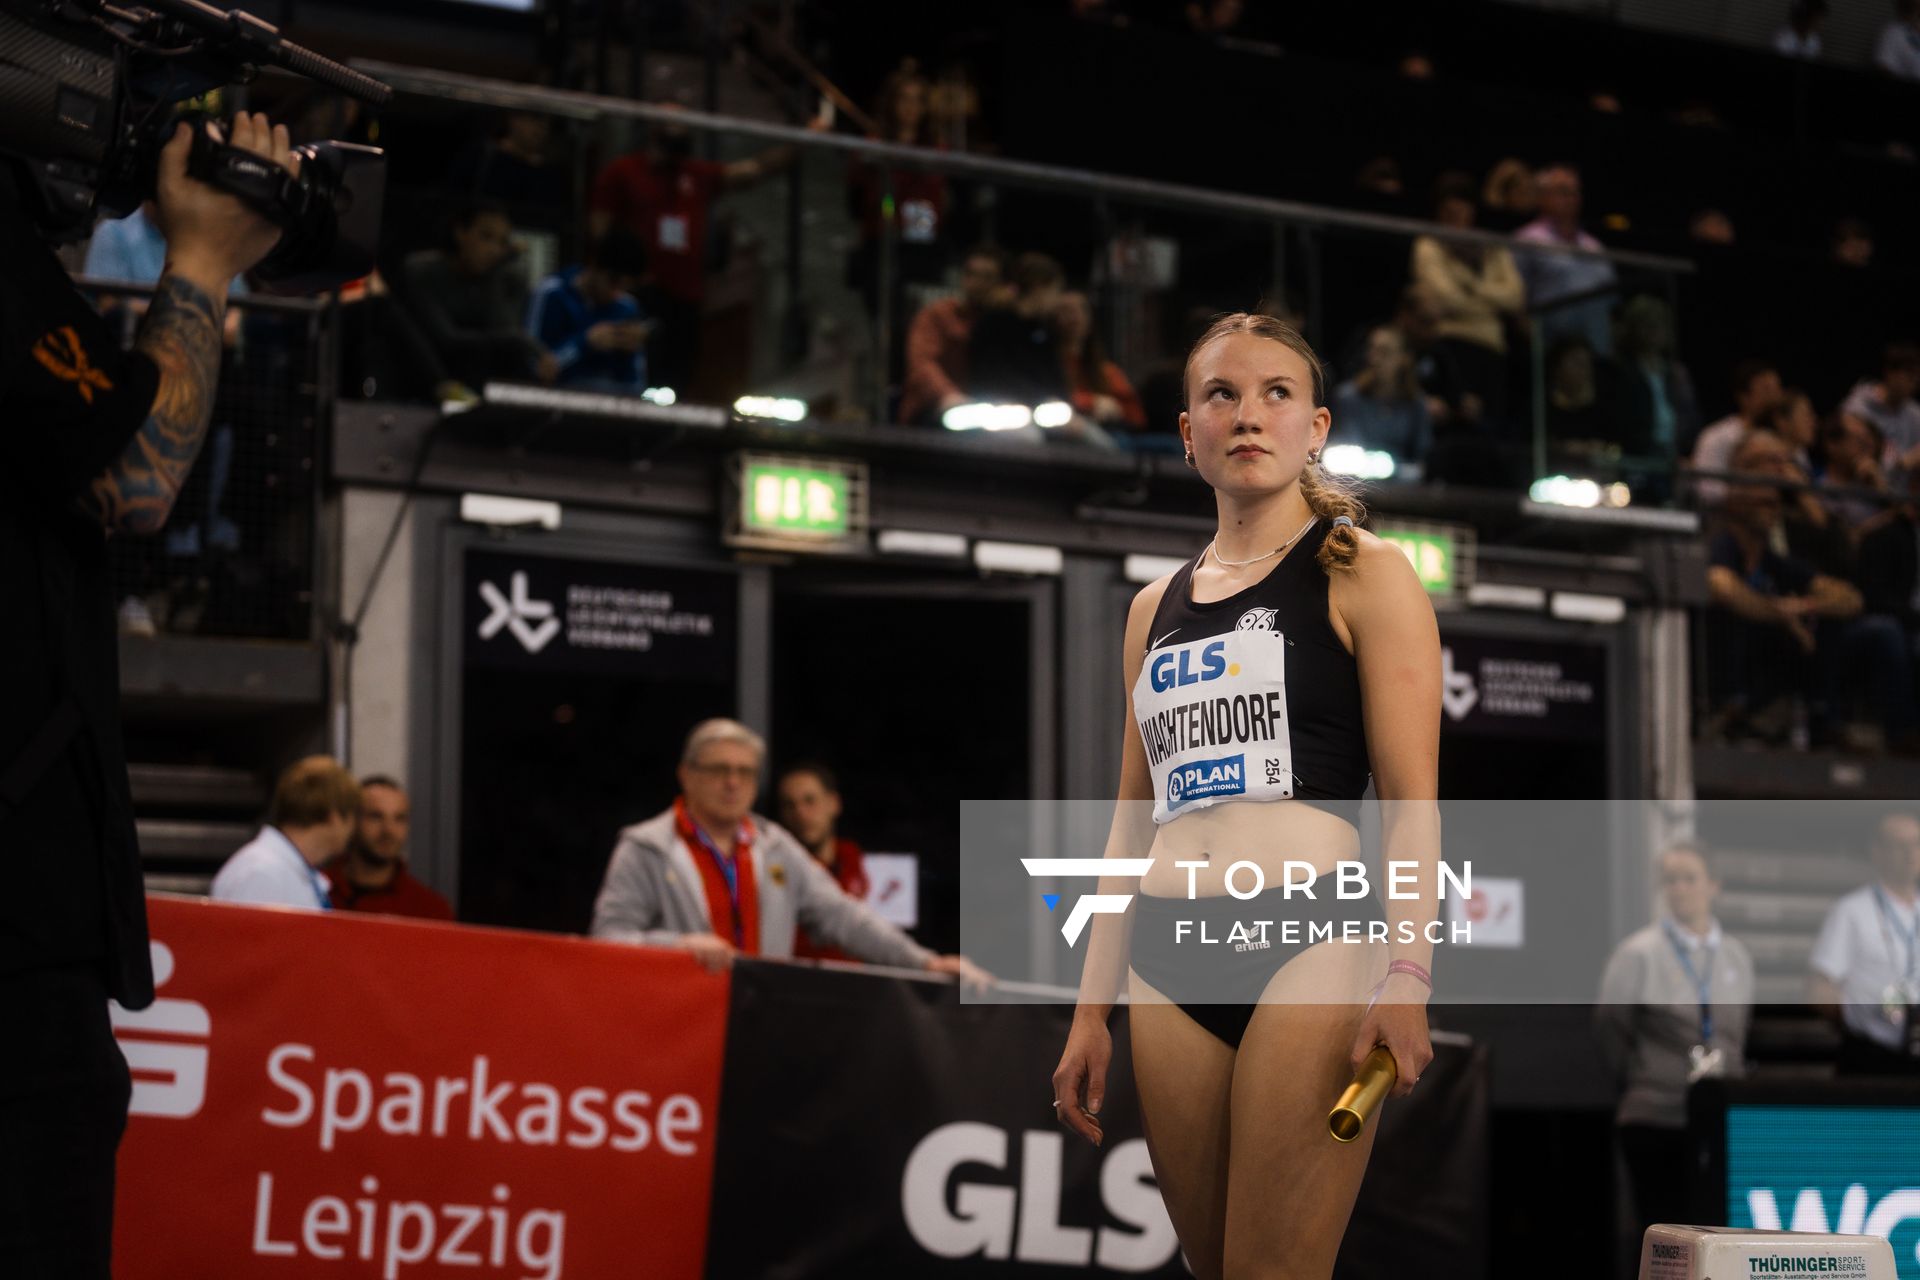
1909	935
730	872
319	881
1703	984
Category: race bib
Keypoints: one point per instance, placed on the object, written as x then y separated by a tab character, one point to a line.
919	222
1213	719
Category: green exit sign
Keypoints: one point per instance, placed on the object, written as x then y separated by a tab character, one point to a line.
1437	554
801	504
796	500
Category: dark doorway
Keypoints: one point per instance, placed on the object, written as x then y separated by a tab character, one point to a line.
917	702
553	766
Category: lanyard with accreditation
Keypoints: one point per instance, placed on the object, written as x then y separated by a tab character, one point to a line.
739	896
1703	1059
1904	991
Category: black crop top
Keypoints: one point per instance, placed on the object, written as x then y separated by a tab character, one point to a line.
1252	697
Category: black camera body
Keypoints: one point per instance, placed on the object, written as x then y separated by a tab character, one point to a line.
88	95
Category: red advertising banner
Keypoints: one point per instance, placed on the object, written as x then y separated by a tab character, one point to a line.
329	1095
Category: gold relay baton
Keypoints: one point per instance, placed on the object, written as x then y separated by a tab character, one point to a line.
1348	1119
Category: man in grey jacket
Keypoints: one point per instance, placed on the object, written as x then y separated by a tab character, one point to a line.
710	876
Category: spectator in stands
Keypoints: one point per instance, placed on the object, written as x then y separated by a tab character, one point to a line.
1215	17
1897	51
1552	278
1658	407
1582	417
1014	354
473	301
909	203
311	819
664	194
1866	971
1852	470
588	317
1382	406
372	874
1473	291
809	799
512	166
938	340
1675	1005
1808	530
1793	419
1887	403
1756	390
1710	226
1101	392
1888	564
1510	197
1799	36
1762	623
1852	244
710	876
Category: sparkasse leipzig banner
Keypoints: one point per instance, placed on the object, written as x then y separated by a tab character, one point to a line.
325	1095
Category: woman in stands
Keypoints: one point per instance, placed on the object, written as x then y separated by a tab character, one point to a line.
1267	678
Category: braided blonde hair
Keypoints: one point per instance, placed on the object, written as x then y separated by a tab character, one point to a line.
1330	497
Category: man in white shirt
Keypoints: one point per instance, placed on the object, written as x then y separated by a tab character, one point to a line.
1866	970
1887	405
1551	277
1897	52
1756	390
315	805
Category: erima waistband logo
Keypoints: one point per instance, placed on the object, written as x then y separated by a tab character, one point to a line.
1203	779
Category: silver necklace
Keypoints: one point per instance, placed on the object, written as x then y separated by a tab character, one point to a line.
1241	564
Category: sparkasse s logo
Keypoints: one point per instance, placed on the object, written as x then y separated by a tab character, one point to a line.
165	1045
1092	904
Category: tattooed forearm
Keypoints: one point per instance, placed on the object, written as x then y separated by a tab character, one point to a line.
181	334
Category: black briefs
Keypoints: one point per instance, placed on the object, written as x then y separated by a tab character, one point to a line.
1216	965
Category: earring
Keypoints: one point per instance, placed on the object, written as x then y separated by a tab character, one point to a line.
1313	455
1189	457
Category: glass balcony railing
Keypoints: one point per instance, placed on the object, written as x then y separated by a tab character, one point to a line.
794	273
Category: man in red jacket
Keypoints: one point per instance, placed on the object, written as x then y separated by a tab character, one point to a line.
372	874
809	807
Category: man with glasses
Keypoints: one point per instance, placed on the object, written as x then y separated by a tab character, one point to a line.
713	878
1866	964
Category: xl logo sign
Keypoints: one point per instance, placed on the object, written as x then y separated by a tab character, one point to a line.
1458	692
1091	904
517	614
1000	1222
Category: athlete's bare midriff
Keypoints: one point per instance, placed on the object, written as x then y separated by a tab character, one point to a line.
1268	834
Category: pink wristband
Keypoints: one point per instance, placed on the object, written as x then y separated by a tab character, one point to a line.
1411	969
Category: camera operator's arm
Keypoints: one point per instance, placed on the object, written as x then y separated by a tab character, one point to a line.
211	238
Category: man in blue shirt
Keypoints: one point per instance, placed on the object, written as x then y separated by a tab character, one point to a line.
588	318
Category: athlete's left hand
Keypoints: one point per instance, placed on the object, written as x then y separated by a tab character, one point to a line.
1397	1020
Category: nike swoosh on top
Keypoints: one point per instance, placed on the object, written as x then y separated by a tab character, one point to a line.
1163	639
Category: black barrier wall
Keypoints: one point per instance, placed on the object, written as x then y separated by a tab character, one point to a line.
873	1125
